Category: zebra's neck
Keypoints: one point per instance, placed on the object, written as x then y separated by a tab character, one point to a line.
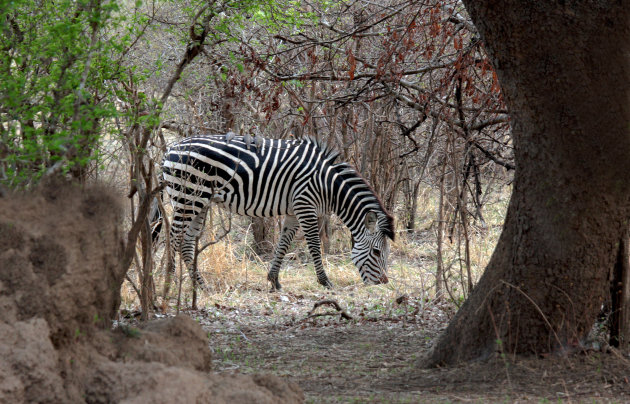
350	196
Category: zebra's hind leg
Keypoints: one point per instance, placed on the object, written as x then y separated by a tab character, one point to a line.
185	221
175	239
308	222
188	247
289	228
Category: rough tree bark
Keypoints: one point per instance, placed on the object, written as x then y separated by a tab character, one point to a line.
565	75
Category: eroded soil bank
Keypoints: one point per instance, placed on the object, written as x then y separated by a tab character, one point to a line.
59	289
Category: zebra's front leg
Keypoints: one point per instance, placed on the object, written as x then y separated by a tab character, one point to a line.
289	228
311	232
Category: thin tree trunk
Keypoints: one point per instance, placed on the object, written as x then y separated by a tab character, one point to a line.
261	229
439	272
413	207
146	288
463	214
620	294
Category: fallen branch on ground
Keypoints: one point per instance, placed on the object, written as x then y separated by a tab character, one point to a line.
330	302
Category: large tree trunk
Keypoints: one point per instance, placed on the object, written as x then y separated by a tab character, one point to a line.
564	70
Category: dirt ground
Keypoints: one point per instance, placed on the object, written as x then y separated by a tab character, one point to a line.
376	356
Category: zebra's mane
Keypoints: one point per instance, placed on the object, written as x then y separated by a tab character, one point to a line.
350	174
329	152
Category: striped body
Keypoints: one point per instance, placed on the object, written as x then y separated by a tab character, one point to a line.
268	177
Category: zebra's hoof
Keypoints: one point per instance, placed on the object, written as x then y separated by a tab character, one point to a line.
275	285
327	284
275	288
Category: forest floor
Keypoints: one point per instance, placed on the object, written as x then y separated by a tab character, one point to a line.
376	355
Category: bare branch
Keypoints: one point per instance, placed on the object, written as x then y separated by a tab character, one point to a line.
330	302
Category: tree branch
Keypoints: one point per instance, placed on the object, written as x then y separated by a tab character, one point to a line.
329	302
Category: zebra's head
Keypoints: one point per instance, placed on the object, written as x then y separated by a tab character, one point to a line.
371	247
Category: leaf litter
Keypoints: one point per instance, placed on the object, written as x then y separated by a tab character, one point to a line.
375	356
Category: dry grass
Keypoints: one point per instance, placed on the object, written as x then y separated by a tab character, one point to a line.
237	276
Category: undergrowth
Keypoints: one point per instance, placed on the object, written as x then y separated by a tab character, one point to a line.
237	276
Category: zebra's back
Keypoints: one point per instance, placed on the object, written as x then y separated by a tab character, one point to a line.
253	178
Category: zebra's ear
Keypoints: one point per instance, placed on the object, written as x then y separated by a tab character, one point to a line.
370	221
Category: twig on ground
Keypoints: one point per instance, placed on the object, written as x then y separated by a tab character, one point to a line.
330	302
617	353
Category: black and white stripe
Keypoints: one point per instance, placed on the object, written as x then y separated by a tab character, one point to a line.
268	177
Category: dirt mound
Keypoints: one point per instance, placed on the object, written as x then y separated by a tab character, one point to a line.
177	341
59	289
157	383
60	259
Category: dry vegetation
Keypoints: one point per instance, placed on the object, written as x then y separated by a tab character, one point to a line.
236	273
375	356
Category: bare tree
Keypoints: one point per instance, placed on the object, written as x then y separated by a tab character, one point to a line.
399	87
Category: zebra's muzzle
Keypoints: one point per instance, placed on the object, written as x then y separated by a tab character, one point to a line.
376	281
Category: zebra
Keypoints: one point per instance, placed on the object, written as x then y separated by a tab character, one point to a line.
297	178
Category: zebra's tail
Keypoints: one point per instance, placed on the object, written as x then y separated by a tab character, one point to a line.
155	217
